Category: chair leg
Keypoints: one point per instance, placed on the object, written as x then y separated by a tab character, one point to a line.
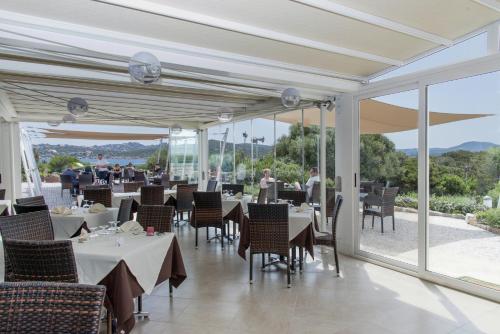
288	282
223	230
363	222
373	221
109	322
170	289
301	259
382	224
207	234
234	230
393	223
196	237
263	261
294	256
251	268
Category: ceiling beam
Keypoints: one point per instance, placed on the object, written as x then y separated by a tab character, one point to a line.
7	110
491	4
332	7
188	16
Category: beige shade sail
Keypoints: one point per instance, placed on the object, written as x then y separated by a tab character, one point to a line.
377	117
70	134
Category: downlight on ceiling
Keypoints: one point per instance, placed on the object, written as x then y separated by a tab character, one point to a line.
144	67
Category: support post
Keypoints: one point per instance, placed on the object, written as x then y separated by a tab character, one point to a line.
10	163
322	160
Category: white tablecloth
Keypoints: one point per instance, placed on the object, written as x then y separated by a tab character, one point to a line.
117	197
67	226
4	204
298	221
229	203
143	255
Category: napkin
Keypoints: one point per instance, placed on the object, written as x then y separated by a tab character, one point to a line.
84	235
238	195
131	226
305	206
174	187
61	210
97	208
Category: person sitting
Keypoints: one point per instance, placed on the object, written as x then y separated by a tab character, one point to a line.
266	178
313	177
117	172
88	171
157	170
101	166
130	171
74	180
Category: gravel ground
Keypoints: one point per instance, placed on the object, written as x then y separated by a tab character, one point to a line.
456	248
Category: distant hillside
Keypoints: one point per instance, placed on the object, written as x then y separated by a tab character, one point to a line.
213	146
471	146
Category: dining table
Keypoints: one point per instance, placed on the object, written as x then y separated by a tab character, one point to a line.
118	196
128	265
69	225
5	207
300	230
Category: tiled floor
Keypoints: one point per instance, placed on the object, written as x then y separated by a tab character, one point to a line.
216	298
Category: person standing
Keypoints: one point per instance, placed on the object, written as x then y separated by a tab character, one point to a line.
74	180
266	178
101	166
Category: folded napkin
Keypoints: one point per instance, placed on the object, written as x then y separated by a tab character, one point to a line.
238	195
174	187
131	226
97	208
305	206
84	236
61	210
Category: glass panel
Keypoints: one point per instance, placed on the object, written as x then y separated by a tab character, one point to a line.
388	176
464	221
243	155
220	152
263	150
184	156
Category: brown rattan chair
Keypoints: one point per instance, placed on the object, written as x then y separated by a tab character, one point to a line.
50	308
28	226
380	204
37	260
85	180
152	195
330	239
2	194
66	183
102	196
35	200
208	213
184	200
233	188
165	180
98	186
132	187
315	193
269	233
140	177
125	210
20	209
272	190
158	216
296	196
330	202
261	199
211	185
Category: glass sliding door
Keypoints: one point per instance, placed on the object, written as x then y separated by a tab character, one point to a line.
388	181
221	153
183	156
464	188
243	155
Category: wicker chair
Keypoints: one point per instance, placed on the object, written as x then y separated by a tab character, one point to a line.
36	200
20	209
296	196
380	205
51	308
132	187
152	195
315	193
85	180
36	260
66	183
208	213
330	202
29	226
184	199
2	194
140	177
233	188
125	210
211	185
269	233
102	196
165	180
272	190
261	199
158	216
330	239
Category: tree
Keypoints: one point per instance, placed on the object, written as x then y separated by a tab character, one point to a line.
59	162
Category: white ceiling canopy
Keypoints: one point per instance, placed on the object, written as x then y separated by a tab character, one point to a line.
239	54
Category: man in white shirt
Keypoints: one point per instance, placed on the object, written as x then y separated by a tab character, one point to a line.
313	177
101	166
267	178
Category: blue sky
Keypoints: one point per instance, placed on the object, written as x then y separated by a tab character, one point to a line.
472	95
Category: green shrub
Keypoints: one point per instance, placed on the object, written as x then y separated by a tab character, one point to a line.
494	194
59	162
451	184
489	217
444	204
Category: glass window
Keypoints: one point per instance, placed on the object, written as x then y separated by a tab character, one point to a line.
184	156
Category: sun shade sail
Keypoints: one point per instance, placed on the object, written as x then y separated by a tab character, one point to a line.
69	134
377	117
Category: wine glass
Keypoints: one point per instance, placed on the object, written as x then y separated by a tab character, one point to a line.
74	205
85	204
114	226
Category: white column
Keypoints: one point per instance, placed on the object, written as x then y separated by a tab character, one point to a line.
203	158
322	160
345	159
493	38
10	159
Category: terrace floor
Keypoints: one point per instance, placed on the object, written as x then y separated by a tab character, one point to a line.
457	249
